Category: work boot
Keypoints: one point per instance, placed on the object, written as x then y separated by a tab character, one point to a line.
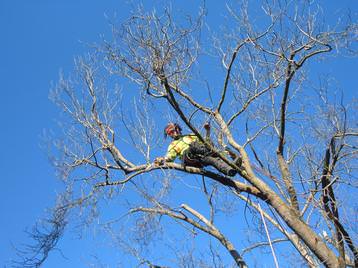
232	172
238	161
220	165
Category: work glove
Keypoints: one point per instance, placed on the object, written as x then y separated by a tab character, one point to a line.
159	161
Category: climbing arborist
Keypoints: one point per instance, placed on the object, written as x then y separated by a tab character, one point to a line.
191	151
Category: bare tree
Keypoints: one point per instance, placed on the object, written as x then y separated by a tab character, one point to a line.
297	138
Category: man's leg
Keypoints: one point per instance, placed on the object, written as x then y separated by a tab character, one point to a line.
200	152
219	164
190	160
198	149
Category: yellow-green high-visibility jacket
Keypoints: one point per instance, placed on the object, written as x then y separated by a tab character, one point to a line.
178	147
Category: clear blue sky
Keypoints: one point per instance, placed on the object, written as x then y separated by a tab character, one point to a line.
38	38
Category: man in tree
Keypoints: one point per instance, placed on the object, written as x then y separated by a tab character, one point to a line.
191	151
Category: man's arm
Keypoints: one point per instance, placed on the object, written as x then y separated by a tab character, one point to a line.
207	128
169	157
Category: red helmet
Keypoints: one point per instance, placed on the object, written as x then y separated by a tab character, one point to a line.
170	128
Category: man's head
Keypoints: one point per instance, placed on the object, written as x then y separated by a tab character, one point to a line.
172	130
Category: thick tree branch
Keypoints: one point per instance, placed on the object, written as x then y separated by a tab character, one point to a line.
330	204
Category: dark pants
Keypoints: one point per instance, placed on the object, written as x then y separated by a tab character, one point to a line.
198	155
